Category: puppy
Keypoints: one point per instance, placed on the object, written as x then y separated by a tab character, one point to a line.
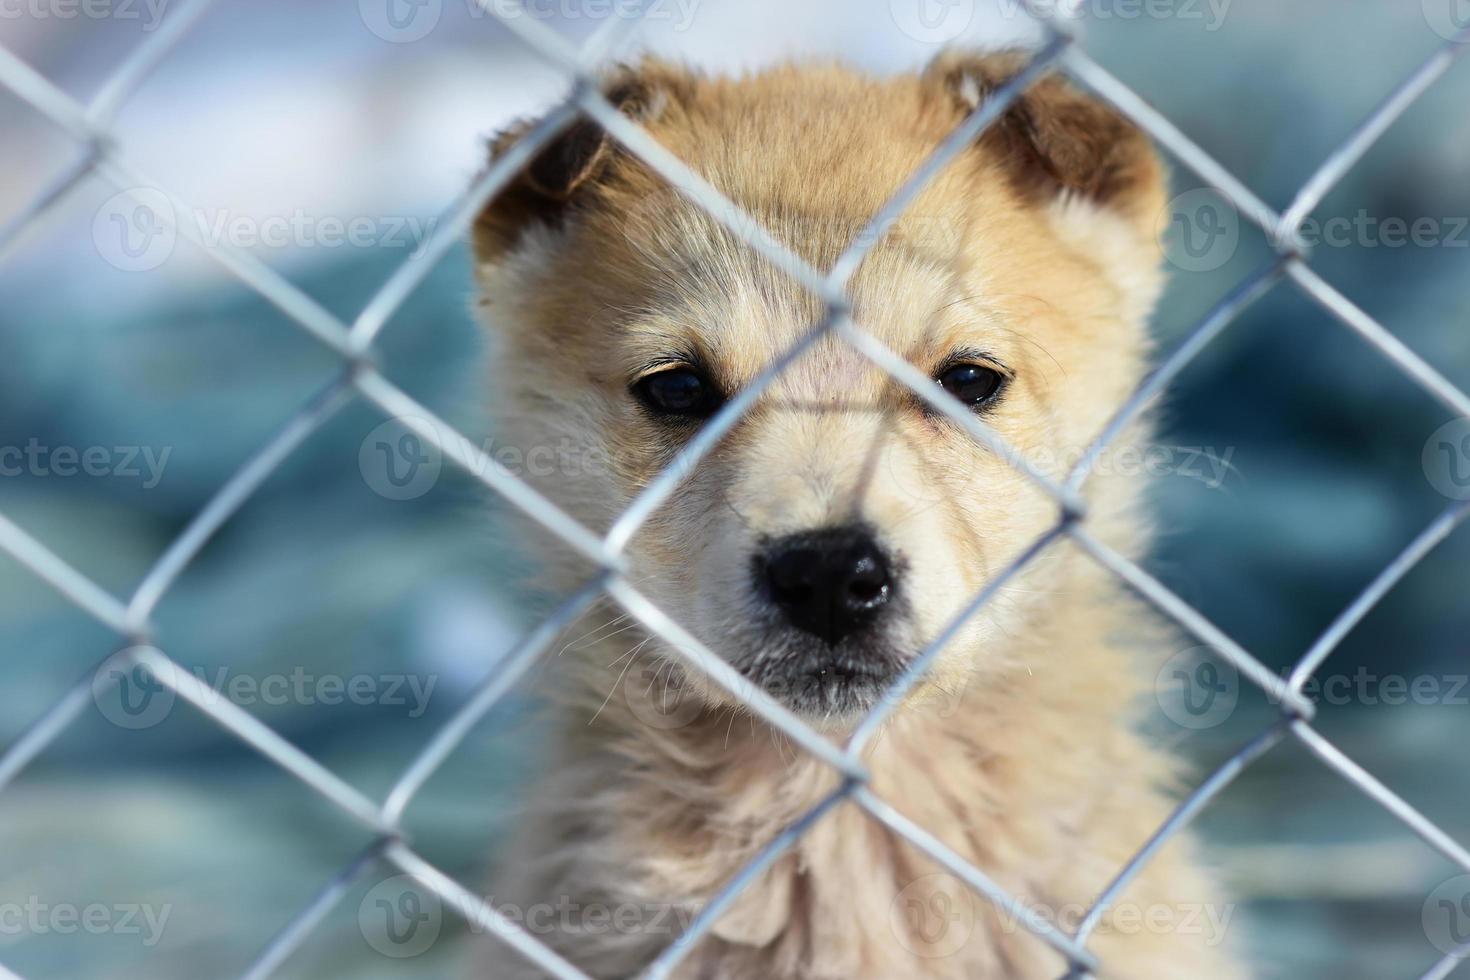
838	528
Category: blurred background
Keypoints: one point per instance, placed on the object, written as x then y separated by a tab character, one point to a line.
1294	458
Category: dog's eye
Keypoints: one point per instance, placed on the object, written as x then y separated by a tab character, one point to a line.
680	392
973	384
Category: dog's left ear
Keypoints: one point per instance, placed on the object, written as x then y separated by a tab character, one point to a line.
1055	139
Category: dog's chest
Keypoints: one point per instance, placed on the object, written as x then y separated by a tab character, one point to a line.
851	898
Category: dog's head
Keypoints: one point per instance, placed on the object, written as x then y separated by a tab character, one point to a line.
842	522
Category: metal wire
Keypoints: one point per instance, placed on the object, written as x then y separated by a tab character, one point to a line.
100	156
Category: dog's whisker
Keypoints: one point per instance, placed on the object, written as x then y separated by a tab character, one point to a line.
617	683
591	635
656	674
612	664
601	639
630	652
730	727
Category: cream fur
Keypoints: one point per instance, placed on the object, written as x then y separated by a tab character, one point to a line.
1019	753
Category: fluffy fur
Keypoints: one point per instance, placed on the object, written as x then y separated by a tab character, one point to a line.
1035	249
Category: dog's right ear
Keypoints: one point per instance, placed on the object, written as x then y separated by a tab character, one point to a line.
560	177
1055	139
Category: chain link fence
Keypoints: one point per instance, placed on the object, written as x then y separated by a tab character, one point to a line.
360	378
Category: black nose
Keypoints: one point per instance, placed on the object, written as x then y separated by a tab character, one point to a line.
830	583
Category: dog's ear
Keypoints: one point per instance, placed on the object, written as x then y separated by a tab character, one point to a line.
558	178
1055	138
